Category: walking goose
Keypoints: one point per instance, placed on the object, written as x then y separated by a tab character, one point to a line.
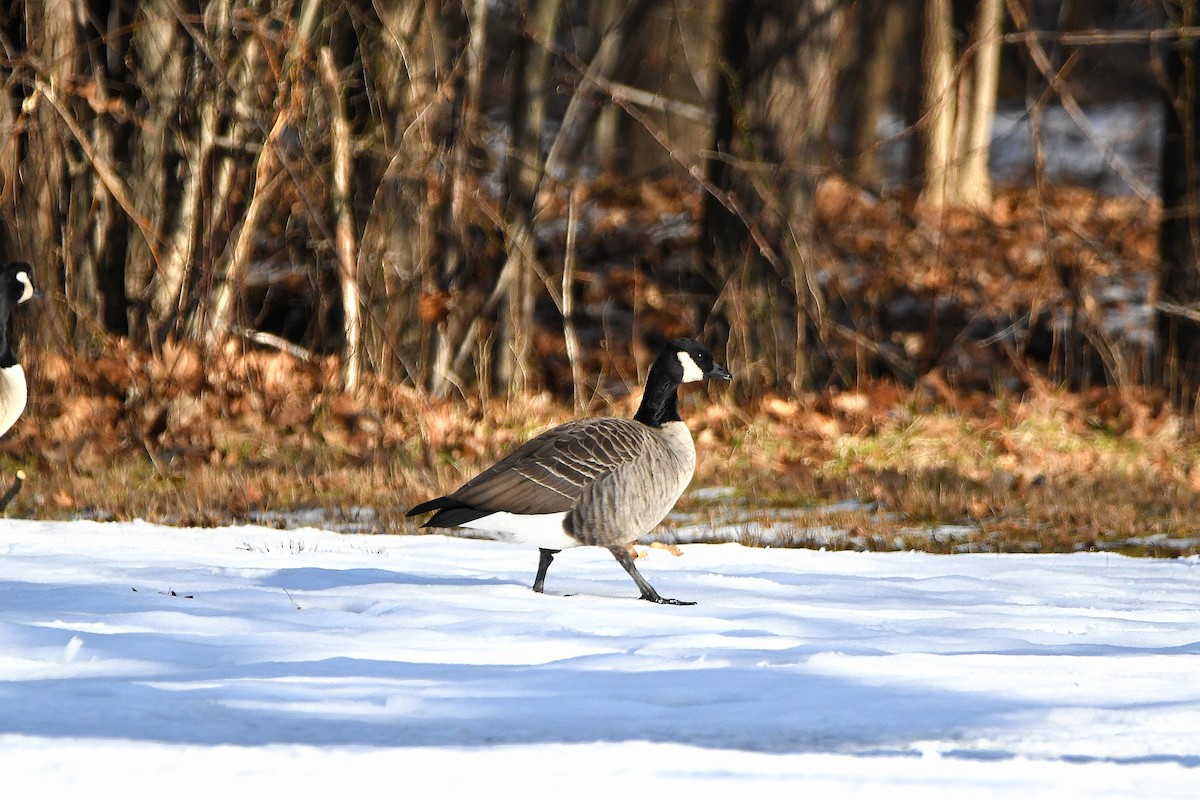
603	481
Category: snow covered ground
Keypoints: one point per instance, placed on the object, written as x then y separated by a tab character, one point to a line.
144	661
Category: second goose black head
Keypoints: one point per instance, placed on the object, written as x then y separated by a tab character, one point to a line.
16	286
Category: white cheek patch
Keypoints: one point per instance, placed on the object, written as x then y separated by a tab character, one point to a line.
691	371
27	292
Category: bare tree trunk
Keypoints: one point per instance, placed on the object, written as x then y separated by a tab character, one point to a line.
526	164
343	214
176	173
288	103
1179	243
755	271
456	328
959	105
158	69
73	189
230	111
939	103
11	132
882	26
46	192
539	40
513	367
91	216
602	16
203	182
589	113
220	313
107	46
585	104
974	179
408	251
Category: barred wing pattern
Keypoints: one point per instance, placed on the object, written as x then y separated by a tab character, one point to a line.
550	472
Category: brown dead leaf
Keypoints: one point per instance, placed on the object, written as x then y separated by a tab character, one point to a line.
345	407
778	407
54	369
113	374
432	307
181	364
851	402
825	427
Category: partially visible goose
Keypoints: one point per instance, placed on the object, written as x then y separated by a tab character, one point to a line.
16	287
603	481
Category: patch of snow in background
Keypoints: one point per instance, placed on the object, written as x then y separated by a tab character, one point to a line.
1116	150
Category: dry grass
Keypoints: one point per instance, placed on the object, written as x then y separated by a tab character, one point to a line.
1046	472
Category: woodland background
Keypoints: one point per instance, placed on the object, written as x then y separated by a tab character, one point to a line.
265	227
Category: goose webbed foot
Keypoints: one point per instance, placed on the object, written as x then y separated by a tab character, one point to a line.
625	560
655	597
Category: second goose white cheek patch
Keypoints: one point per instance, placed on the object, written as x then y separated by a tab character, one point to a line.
27	292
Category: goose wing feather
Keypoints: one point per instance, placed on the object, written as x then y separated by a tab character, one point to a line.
549	473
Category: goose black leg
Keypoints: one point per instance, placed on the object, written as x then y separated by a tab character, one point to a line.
17	483
621	553
543	565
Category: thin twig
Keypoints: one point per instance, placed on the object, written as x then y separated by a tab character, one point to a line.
1041	60
269	161
654	101
108	176
273	341
1101	37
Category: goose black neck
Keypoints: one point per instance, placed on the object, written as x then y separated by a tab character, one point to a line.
7	357
660	400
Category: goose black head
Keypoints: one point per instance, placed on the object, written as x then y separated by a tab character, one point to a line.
681	361
696	363
16	286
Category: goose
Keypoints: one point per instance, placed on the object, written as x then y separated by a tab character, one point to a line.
602	481
15	288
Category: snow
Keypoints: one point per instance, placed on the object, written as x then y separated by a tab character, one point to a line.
1114	148
170	662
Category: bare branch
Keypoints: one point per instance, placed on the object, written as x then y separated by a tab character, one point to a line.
1102	37
275	342
570	336
107	174
1041	59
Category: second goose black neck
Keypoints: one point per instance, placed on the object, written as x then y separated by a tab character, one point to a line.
7	358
